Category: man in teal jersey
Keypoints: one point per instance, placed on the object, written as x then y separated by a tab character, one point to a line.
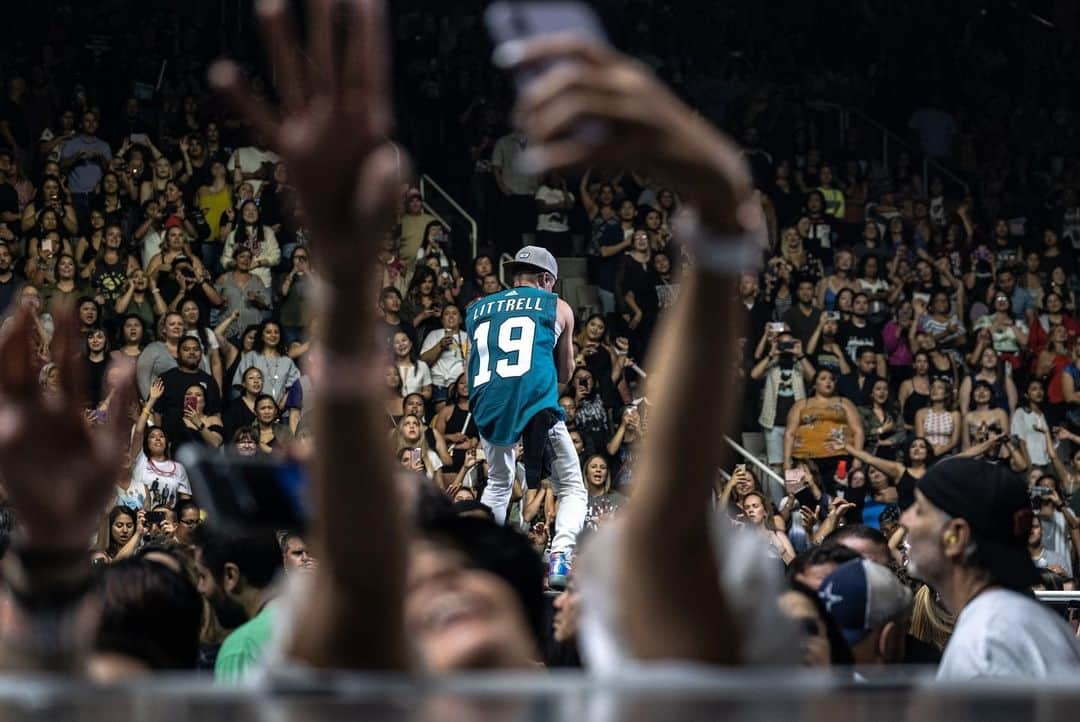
521	350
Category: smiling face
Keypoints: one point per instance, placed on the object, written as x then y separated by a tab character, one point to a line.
402	345
95	341
459	618
271	335
156	442
250	213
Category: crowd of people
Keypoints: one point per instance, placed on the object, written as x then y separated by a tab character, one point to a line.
899	354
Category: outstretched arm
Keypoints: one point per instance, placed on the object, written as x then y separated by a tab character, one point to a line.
672	610
333	139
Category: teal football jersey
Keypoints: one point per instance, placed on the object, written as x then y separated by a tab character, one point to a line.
512	373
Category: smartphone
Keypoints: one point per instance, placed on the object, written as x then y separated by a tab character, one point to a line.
509	21
480	455
841	469
155	517
832	315
740	467
190	402
805	497
776	326
248	493
140	138
924	297
414	457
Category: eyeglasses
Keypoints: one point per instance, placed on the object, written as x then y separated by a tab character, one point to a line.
190	522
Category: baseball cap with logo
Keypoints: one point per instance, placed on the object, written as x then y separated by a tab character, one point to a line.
533	258
862	596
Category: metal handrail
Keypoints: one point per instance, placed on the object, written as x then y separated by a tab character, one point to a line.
888	135
426	180
758	463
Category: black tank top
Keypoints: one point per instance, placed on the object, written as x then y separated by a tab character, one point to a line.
454	425
912	404
905	490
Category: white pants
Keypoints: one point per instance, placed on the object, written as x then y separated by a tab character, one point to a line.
566	480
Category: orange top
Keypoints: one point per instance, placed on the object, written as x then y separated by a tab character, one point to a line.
819	423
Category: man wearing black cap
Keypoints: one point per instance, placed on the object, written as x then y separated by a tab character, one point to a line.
967	536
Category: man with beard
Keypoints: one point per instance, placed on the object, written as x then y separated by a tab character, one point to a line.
236	574
967	538
859	333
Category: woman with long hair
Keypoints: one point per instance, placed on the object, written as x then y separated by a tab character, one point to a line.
1054	314
1029	424
130	341
194	325
904	473
982	421
241	410
199	427
409	435
50	197
758	512
95	359
415	374
602	501
164	479
882	421
841	278
455	422
914	393
939	423
1050	367
62	286
1007	335
251	234
989	367
122	533
268	355
423	304
272	436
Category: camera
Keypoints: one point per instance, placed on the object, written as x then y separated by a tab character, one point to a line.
786	346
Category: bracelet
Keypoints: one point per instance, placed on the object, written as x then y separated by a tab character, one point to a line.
724	254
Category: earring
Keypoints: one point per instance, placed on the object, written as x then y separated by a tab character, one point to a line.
950	538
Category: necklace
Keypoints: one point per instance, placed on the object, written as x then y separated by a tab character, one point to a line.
160	471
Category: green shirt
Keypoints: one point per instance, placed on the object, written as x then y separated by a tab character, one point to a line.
243	649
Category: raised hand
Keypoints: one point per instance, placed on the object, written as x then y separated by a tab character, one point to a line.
634	114
58	497
333	122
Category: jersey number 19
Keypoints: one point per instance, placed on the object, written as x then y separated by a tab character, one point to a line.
515	340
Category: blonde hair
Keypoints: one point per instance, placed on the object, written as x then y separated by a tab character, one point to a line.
930	621
400	443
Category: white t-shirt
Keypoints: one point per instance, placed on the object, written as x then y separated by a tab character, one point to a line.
451	362
1027	425
414	379
505	156
554	221
162	480
1002	633
250	159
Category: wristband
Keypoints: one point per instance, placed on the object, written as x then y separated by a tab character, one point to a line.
723	254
